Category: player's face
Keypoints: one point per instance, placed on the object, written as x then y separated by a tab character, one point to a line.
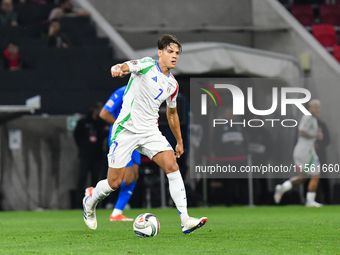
228	114
169	55
13	49
6	6
315	110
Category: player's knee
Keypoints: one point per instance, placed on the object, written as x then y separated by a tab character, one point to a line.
313	184
128	181
115	184
170	168
129	177
136	177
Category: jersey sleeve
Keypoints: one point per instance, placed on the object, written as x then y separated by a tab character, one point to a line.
115	102
140	66
307	124
171	100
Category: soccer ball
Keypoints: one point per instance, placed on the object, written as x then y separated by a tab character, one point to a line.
146	225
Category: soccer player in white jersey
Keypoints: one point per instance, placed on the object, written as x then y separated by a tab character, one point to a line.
136	127
305	157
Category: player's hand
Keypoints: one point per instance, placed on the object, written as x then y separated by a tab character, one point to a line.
179	150
320	134
116	71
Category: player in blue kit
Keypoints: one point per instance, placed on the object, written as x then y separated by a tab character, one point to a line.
136	127
110	113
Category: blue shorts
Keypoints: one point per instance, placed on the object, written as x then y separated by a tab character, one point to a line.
135	159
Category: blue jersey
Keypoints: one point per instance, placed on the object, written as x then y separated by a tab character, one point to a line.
115	102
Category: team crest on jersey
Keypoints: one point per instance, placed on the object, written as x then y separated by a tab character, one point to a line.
112	159
110	103
168	90
134	62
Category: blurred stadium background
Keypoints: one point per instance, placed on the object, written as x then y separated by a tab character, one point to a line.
257	38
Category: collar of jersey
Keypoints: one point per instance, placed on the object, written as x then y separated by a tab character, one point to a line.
159	69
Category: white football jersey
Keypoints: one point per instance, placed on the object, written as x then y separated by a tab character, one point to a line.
304	152
147	89
308	124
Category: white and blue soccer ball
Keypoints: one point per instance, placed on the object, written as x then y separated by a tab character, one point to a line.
146	225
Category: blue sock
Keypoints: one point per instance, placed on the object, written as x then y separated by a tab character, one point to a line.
124	195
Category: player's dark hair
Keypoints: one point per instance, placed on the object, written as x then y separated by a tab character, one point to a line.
97	106
165	41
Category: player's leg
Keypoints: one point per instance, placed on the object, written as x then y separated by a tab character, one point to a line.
280	189
102	190
311	194
105	187
167	161
126	189
118	157
313	170
300	157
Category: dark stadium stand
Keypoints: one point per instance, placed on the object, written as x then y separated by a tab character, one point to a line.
321	18
311	2
304	14
330	14
33	13
68	80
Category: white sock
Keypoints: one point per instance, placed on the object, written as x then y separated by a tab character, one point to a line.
117	212
101	191
178	194
287	185
310	196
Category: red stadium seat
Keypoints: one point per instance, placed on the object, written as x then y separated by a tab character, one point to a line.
330	14
336	52
304	14
325	34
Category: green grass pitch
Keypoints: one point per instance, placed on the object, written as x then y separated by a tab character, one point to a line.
234	230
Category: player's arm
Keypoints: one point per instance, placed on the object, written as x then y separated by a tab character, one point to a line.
306	135
120	70
107	116
133	66
305	126
175	127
